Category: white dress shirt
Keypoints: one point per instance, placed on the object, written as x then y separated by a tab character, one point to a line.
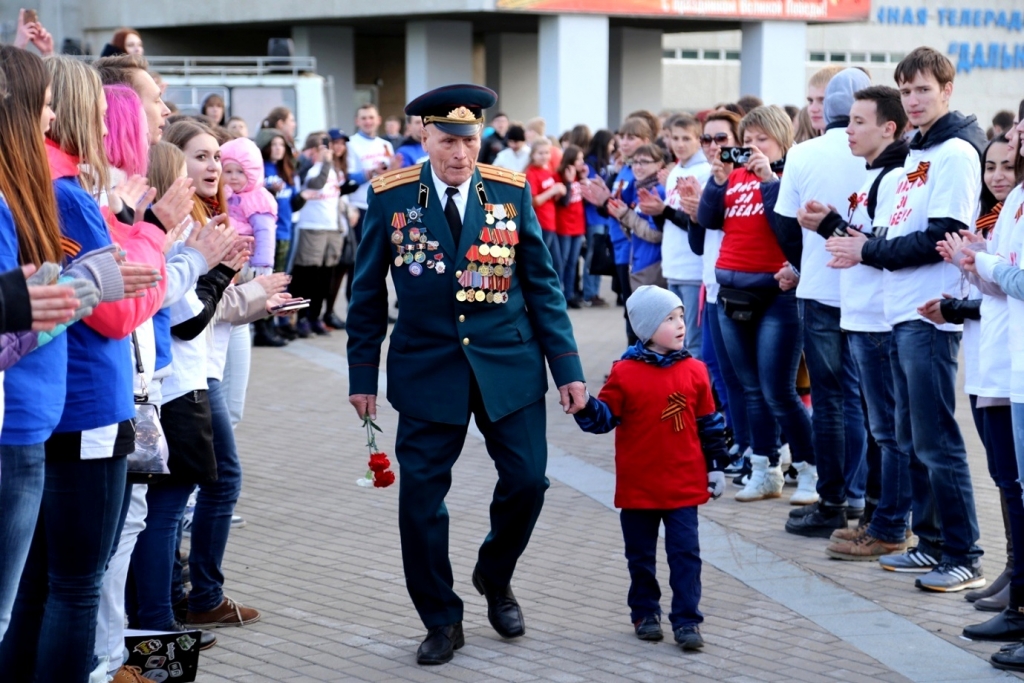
460	198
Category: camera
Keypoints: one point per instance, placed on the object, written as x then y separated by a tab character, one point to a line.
735	155
325	141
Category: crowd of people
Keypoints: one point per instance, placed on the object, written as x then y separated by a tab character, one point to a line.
830	262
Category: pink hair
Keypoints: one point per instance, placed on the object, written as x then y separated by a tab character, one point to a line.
127	140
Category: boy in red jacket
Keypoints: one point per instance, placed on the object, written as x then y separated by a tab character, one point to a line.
669	453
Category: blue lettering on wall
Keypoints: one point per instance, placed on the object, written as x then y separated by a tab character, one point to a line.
1001	56
966	17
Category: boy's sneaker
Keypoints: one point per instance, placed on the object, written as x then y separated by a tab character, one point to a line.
648	628
688	637
863	548
238	522
950	577
912	562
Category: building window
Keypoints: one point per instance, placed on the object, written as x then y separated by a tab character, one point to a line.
689	54
668	54
896	57
878	57
817	57
712	54
858	57
837	56
732	55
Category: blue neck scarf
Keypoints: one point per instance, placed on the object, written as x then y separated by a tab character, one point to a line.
640	352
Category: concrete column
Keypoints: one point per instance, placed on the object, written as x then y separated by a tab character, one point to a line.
512	73
437	53
573	71
334	49
634	72
772	61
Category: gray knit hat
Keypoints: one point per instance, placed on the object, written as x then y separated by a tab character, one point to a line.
647	307
839	92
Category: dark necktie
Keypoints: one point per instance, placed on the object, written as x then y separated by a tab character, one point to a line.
451	212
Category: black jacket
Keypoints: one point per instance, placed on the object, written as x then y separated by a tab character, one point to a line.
918	249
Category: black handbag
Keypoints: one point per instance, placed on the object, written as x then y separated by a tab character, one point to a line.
745	305
603	260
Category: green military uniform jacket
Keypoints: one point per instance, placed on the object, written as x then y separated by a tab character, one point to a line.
444	329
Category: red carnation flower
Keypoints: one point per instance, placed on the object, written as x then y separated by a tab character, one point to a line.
379	462
383	479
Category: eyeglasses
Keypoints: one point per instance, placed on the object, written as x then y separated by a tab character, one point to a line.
718	138
642	162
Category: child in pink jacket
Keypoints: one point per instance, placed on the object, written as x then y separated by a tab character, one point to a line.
251	208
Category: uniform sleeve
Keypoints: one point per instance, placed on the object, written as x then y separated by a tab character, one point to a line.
367	322
545	303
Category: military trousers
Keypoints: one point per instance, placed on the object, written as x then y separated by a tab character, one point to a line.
426	453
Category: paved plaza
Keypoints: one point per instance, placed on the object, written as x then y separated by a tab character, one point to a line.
320	558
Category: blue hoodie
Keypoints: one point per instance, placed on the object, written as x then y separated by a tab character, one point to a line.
284	202
624	188
34	387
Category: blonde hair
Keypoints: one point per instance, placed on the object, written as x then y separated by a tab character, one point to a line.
821	77
537	125
804	129
165	163
774	121
78	128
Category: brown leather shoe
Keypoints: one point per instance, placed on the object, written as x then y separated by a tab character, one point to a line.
851	533
129	674
228	613
863	548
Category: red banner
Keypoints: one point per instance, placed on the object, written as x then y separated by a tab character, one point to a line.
796	10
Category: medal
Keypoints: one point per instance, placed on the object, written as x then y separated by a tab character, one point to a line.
414	214
415	269
499	211
414	234
484	250
490	297
472	267
399	261
420	257
511	225
460	295
440	267
485	270
499	270
430	264
397	236
407	258
423	238
432	245
480	296
489	219
470	296
398	221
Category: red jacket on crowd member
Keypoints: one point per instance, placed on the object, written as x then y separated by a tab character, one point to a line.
541	180
570	212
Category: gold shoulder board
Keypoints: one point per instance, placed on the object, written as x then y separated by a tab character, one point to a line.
396	178
502	175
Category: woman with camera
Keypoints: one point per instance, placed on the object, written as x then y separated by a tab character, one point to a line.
759	317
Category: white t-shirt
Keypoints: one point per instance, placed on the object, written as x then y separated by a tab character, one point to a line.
365	154
823	169
994	367
321	212
951	188
678	262
513	160
862	308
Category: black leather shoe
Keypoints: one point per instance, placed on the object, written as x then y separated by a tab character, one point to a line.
997	586
804	510
440	644
502	609
1009	658
1007	626
818	524
331	320
994	603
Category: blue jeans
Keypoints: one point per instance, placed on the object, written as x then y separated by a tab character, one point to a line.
22	476
840	442
554	248
215	504
52	635
995	427
682	546
591	283
730	390
924	364
765	353
870	352
153	557
569	250
689	293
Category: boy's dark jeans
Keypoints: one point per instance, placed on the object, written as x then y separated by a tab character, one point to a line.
640	532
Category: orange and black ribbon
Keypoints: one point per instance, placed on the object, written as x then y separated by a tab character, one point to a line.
920	174
1020	212
854	200
985	223
674	409
71	248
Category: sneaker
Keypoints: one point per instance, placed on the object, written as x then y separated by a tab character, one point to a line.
186	525
792	476
863	548
785	457
648	628
238	522
912	562
949	577
806	484
819	524
228	613
764	482
805	510
743	475
689	638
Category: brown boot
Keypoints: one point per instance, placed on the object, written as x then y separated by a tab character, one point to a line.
129	674
851	533
228	613
863	549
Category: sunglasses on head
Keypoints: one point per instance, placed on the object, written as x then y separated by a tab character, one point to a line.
719	138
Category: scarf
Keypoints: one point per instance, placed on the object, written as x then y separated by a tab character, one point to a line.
987	223
641	353
212	205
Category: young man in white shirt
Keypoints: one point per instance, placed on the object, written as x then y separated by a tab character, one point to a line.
877	121
516	156
938	193
368	157
825	170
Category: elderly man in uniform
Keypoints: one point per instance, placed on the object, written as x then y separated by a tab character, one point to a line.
481	309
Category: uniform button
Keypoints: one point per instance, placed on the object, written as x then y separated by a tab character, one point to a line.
458	273
462	318
465	341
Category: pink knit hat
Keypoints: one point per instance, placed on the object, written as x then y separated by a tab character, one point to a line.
254	197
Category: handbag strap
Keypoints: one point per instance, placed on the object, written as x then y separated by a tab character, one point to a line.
140	369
